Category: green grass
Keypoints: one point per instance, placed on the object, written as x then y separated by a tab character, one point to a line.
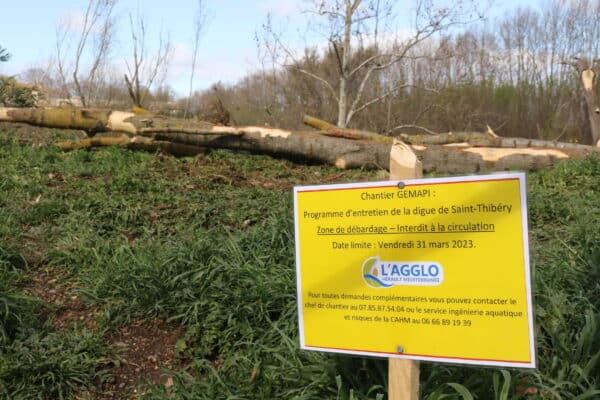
17	312
207	244
53	365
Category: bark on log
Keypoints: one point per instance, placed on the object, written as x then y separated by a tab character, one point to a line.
449	159
96	120
479	139
134	143
66	118
328	129
170	135
466	139
317	123
296	146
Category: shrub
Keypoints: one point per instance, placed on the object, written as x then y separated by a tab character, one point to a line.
13	94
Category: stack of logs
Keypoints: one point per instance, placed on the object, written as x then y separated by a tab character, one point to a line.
452	152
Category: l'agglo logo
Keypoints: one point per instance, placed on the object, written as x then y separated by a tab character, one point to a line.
385	274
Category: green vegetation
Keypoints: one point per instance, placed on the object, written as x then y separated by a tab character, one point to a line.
206	245
4	54
12	94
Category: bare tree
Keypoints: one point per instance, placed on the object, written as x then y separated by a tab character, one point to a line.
145	70
62	50
199	25
354	25
95	40
42	77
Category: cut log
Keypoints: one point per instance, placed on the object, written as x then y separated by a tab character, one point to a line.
457	160
186	137
472	138
317	123
465	139
328	129
479	139
96	120
66	118
297	146
404	163
134	143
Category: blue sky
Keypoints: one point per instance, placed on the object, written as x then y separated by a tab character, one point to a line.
227	48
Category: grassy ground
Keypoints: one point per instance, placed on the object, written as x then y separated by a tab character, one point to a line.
125	274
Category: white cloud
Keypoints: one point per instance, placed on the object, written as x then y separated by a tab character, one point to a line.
181	58
180	64
72	20
282	8
226	67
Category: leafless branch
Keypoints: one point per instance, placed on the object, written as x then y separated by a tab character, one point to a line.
314	76
199	25
61	40
98	12
355	108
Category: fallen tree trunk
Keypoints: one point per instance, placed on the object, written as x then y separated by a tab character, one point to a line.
436	158
304	146
449	159
96	120
327	129
296	146
133	143
185	137
480	139
465	139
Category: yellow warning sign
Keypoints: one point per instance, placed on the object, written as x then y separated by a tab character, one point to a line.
428	269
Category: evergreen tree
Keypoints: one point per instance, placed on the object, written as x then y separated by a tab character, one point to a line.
4	54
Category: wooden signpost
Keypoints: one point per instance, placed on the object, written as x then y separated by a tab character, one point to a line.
403	374
416	270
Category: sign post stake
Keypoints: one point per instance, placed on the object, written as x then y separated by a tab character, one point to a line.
403	374
393	269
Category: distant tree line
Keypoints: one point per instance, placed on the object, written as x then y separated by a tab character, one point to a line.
513	74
